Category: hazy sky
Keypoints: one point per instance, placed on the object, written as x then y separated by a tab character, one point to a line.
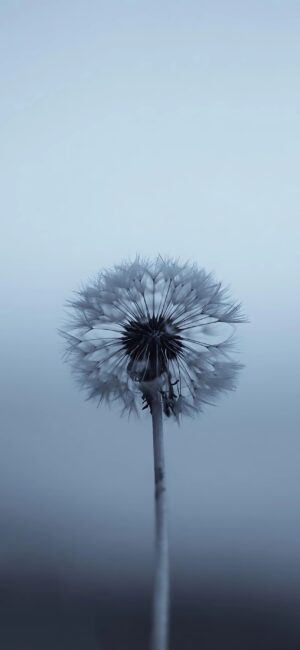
135	127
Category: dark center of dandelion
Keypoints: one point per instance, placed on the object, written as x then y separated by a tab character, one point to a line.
150	346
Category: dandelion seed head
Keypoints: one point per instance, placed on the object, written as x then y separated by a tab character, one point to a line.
153	325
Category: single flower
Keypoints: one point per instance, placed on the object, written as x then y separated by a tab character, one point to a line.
153	321
154	334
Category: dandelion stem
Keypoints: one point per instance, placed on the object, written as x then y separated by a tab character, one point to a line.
160	621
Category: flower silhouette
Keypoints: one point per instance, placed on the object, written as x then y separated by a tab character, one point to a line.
153	323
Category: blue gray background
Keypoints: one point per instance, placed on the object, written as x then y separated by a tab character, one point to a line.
136	127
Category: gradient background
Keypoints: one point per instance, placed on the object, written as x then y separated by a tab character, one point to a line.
135	127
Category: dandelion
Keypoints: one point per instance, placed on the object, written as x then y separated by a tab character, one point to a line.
154	335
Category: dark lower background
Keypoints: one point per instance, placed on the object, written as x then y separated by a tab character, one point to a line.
40	612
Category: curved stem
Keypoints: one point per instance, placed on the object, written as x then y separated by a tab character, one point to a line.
160	621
